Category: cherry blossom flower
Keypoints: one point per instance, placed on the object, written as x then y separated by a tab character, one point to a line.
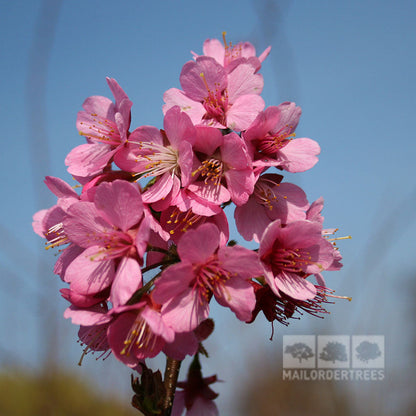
138	332
225	172
229	55
165	155
272	143
270	200
105	125
185	289
113	231
290	253
213	97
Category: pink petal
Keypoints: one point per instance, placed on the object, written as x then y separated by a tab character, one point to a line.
83	301
127	280
238	295
234	152
84	225
244	111
299	155
215	49
294	286
196	246
240	184
194	109
157	324
251	220
89	276
185	313
211	193
99	105
301	234
95	315
160	189
241	261
178	127
173	282
185	343
67	256
289	115
270	235
194	85
88	159
38	222
120	203
290	203
60	188
208	139
243	81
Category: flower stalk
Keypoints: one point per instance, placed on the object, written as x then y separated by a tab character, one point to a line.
170	381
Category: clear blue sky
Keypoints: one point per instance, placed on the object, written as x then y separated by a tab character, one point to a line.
349	65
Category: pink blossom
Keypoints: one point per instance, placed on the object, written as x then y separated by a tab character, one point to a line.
314	214
166	155
213	97
270	200
185	289
114	232
229	55
138	332
48	222
290	253
225	170
105	125
272	143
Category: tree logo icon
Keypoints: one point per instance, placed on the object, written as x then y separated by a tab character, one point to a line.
334	351
368	351
300	351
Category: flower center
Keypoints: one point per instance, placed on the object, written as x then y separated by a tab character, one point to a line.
116	244
180	221
102	130
209	277
264	194
161	159
272	143
212	170
230	52
289	260
215	103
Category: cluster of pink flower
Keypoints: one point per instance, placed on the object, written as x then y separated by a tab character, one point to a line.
154	198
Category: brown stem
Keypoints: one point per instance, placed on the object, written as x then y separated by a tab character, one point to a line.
171	378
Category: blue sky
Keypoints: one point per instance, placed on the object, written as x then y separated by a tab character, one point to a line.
349	65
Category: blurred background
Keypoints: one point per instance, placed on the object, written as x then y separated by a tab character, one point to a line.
350	66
